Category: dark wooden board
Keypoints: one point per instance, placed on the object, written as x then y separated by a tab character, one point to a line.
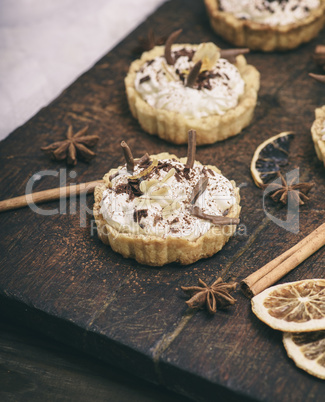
35	368
56	276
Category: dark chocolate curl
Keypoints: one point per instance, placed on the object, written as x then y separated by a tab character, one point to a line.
168	46
231	54
128	156
191	149
199	189
193	74
216	220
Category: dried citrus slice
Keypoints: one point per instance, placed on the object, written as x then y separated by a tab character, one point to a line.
293	307
307	350
269	157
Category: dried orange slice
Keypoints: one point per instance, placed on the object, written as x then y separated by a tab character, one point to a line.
293	307
307	350
269	157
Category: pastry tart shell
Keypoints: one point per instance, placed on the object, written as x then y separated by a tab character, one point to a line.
158	251
316	132
173	126
256	36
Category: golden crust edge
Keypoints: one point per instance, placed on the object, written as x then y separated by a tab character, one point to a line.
245	33
317	135
174	127
154	251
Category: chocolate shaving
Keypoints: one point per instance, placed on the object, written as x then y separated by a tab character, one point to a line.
156	219
189	53
231	54
125	188
177	177
144	79
134	185
128	156
193	74
139	213
203	80
199	189
168	46
216	220
144	161
191	149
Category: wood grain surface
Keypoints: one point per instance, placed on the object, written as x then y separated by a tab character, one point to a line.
35	368
57	277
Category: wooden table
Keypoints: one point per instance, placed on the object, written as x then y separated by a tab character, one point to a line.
34	367
59	279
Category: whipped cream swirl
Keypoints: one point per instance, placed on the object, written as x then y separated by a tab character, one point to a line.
270	12
162	86
162	206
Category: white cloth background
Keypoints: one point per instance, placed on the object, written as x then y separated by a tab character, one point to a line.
46	44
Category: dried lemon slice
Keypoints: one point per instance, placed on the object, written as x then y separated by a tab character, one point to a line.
293	307
208	53
307	350
269	157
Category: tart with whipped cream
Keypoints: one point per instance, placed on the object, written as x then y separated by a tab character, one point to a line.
161	209
175	88
318	133
267	24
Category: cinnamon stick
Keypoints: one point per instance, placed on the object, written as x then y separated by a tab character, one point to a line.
283	264
191	149
128	156
48	195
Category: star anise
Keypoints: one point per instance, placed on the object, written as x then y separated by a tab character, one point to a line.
210	297
285	191
75	145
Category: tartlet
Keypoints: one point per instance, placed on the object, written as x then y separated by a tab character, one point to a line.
318	133
268	36
215	105
165	212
